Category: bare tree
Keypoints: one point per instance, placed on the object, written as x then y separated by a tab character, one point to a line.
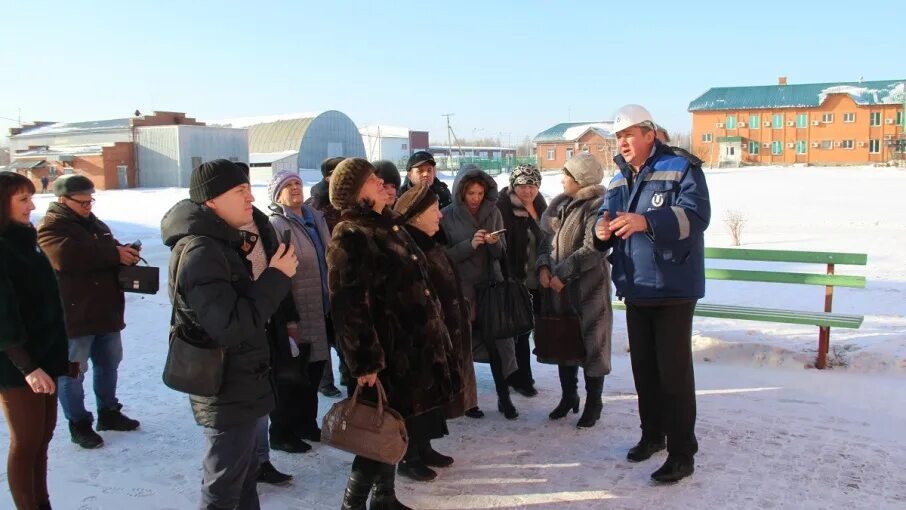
735	221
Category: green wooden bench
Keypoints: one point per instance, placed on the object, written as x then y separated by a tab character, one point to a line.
823	319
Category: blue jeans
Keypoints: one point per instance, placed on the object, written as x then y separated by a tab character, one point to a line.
105	352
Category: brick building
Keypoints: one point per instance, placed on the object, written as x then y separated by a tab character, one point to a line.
105	151
555	145
842	123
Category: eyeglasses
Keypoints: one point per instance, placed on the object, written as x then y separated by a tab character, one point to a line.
83	203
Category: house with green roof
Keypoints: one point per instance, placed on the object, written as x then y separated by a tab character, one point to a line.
555	145
835	123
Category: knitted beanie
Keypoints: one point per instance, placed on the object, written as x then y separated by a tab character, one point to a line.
328	166
278	182
585	169
347	180
415	201
387	171
214	178
525	174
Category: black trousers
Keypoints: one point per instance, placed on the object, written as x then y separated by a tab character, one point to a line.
660	343
297	405
523	374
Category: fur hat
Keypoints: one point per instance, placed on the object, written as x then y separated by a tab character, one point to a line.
328	166
387	171
214	178
585	169
73	184
279	181
347	180
525	174
415	201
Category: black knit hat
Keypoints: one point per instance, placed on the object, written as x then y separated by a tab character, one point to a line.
415	201
347	180
418	158
72	184
214	178
387	171
328	166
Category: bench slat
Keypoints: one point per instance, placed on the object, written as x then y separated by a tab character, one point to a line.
835	320
817	257
777	277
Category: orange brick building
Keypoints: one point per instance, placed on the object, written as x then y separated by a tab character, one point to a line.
555	145
844	123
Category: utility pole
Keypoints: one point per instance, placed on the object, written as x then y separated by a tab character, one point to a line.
449	141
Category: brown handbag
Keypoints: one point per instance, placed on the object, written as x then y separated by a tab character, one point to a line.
376	432
558	334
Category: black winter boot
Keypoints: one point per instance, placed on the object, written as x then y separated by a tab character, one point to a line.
113	419
594	386
504	404
432	457
83	435
267	473
384	496
361	479
674	469
569	383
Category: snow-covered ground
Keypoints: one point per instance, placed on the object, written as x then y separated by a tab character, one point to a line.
773	434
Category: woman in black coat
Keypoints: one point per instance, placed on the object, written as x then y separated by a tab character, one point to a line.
387	319
521	206
420	212
33	344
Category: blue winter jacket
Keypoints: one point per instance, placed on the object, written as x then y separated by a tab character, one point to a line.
668	261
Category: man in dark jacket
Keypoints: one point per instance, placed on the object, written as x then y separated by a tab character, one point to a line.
421	168
219	304
87	259
654	216
320	201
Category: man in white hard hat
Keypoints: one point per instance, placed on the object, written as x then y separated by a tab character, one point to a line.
653	218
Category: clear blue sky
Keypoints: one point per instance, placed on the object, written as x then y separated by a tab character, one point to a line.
502	67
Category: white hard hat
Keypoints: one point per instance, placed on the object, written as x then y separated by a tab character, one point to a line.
631	115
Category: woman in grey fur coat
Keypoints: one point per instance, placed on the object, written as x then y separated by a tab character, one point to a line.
571	267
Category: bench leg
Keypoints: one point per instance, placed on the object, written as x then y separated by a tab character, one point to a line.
823	347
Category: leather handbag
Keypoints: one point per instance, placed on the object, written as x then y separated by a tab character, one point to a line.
140	279
374	431
504	308
194	364
558	333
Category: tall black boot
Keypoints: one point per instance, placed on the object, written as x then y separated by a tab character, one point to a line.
504	404
361	479
384	497
569	384
594	386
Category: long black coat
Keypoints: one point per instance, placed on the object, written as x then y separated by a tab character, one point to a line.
457	313
386	315
31	315
228	307
83	252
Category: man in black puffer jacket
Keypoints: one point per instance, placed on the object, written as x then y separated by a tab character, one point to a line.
216	297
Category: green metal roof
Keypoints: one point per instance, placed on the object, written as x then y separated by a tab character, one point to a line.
572	131
806	95
729	139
